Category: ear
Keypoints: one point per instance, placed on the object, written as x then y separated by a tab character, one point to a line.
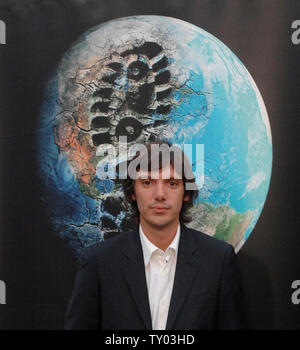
186	197
133	197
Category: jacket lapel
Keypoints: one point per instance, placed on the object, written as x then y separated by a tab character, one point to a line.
134	271
186	268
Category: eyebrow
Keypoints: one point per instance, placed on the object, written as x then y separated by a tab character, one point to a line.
149	178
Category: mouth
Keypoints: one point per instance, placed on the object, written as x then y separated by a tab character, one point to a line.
160	209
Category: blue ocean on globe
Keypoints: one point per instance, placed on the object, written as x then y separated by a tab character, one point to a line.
147	78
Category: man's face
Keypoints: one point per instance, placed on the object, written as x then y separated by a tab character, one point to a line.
159	196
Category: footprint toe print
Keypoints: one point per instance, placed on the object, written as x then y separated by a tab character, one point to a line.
136	87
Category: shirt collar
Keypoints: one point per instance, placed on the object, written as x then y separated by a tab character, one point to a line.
149	248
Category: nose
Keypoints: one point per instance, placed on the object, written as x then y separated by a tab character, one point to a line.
160	193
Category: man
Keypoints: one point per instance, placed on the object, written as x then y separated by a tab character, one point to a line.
161	274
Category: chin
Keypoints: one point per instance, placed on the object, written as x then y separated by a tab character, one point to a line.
160	221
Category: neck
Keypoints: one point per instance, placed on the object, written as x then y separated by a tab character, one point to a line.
160	236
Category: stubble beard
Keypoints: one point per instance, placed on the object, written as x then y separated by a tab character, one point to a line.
157	223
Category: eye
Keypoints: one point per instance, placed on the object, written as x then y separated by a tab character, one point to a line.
173	183
146	183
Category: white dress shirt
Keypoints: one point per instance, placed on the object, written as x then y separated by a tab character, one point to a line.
160	269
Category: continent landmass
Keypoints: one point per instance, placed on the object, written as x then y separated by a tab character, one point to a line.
221	222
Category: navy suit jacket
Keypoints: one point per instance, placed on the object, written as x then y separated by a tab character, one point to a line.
110	290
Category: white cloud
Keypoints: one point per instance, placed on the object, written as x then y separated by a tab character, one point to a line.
254	182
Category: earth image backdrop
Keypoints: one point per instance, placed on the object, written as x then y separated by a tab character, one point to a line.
143	78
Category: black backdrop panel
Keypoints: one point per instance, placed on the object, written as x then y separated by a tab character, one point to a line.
36	266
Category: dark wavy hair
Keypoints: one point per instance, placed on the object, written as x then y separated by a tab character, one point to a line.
187	177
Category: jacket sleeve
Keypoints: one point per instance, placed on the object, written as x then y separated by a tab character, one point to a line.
83	311
230	294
